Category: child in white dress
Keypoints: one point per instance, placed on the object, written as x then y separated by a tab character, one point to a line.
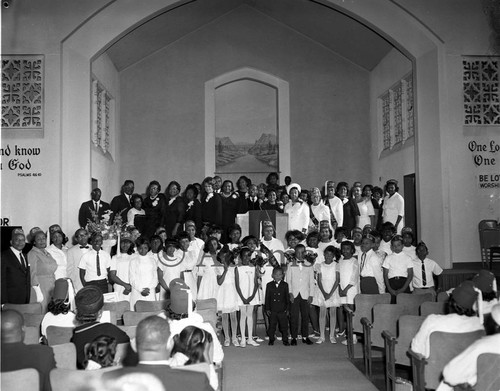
170	266
143	274
246	281
206	270
227	297
349	280
188	265
119	268
234	237
327	296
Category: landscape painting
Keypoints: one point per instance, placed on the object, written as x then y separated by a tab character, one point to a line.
246	128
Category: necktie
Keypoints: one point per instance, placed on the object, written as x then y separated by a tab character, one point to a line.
23	261
424	277
96	207
363	259
98	264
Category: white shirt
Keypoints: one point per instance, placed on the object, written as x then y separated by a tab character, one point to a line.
393	207
337	207
18	255
431	268
61	258
410	251
371	266
321	212
385	247
88	262
397	264
74	256
298	215
300	280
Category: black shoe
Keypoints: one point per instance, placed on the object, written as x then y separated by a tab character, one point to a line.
271	342
294	342
286	343
307	341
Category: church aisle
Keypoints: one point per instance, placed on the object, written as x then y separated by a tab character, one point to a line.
302	367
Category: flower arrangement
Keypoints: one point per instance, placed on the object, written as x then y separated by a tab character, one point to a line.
107	226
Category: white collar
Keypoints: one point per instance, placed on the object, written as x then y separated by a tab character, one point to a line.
159	362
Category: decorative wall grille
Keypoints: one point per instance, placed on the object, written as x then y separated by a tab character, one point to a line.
102	116
481	90
396	113
22	91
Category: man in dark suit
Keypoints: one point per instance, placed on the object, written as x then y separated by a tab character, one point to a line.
151	338
94	205
277	306
120	204
16	355
16	280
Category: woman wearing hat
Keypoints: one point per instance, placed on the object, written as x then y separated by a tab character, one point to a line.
298	211
394	206
318	211
60	306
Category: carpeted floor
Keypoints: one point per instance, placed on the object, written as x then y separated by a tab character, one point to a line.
302	367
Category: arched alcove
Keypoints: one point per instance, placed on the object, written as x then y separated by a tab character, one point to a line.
283	113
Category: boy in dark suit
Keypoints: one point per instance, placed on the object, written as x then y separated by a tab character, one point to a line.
277	306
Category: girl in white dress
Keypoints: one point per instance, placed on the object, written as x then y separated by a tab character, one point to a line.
227	298
143	274
327	296
246	280
169	265
325	236
188	265
206	270
119	268
349	279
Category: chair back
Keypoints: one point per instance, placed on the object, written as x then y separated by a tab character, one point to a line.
488	238
364	308
62	379
208	311
488	373
59	335
130	330
34	320
65	355
385	317
487	224
32	335
117	309
408	326
412	302
444	347
433	307
132	318
31	308
149	306
443	296
21	380
122	350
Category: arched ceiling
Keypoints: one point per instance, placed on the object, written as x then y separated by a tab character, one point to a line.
330	28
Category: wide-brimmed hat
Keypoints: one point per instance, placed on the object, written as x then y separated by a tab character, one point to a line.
291	186
484	281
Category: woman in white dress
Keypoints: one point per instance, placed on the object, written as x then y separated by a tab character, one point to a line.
246	281
394	206
318	211
119	268
206	270
59	252
170	265
143	274
366	211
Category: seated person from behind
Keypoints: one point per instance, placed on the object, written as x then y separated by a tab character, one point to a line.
60	306
486	282
194	346
16	355
100	353
89	302
461	319
152	338
463	368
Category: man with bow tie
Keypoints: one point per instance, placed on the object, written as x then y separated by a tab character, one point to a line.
94	205
120	204
16	280
76	253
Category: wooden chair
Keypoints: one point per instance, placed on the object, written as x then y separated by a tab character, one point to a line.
487	224
363	305
122	350
21	380
443	296
117	309
396	349
130	330
488	238
65	355
132	318
34	320
444	346
208	310
59	335
62	379
385	317
488	372
32	335
433	307
32	308
149	306
413	302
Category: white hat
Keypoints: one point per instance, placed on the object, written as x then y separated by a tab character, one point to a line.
291	186
495	313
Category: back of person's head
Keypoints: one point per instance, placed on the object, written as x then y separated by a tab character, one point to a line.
12	326
89	302
462	299
101	351
485	281
193	342
152	335
60	302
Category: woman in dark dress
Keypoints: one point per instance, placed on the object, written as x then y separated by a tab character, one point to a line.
230	207
211	204
272	202
243	184
351	210
154	205
174	209
192	207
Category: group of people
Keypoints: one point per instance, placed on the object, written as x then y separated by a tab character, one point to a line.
351	241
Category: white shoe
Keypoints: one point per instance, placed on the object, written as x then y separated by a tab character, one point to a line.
236	343
227	342
243	343
279	338
333	339
354	341
258	339
252	342
320	340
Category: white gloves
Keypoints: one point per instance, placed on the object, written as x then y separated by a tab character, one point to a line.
39	294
